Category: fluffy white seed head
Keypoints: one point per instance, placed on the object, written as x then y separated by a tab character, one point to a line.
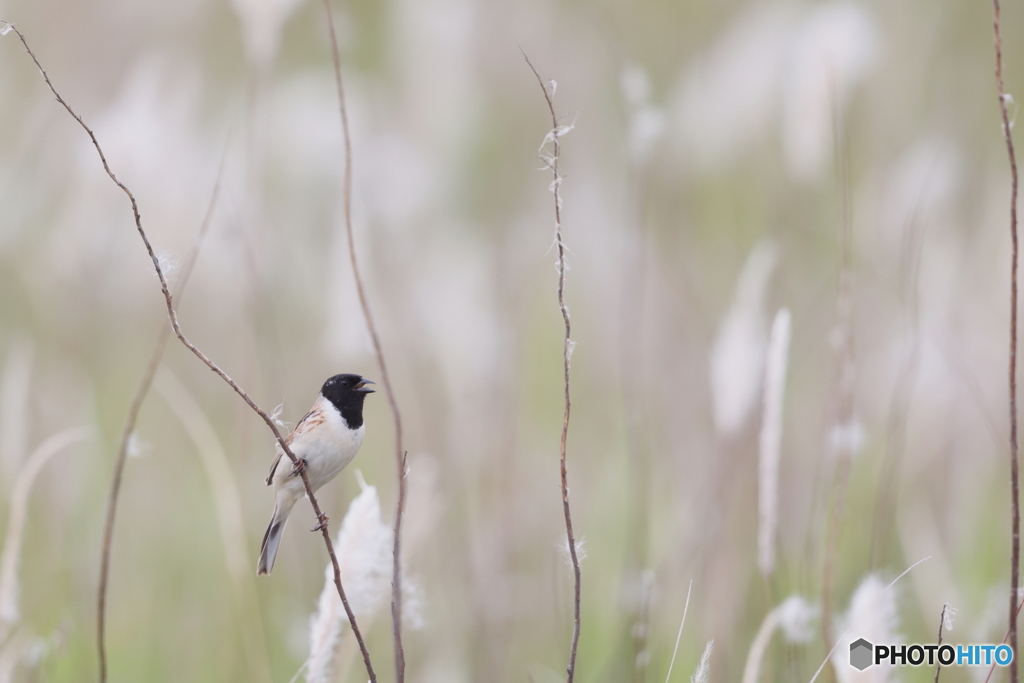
796	618
872	615
364	550
704	667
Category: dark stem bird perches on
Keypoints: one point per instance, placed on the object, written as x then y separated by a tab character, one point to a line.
1014	477
551	161
364	303
172	315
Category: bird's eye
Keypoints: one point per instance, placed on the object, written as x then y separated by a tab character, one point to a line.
344	382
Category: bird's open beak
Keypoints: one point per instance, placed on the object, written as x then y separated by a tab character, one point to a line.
362	388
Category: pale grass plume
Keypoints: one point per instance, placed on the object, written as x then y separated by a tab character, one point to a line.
262	23
870	601
364	550
771	441
12	653
703	671
832	50
738	353
729	95
872	615
795	617
27	651
10	558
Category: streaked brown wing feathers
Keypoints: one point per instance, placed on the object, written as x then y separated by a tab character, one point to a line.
311	419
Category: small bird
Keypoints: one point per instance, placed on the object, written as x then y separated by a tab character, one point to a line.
324	441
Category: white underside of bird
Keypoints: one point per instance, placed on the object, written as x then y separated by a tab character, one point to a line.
324	441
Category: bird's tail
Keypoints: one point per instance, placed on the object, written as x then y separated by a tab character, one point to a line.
272	539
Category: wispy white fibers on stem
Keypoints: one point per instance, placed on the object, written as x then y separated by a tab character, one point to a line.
364	552
11	556
551	161
704	667
794	616
771	441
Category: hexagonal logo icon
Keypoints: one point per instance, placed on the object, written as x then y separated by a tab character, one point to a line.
860	654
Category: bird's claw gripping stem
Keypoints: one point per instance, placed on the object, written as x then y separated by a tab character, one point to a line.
321	523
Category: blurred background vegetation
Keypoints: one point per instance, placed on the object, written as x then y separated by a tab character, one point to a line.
703	192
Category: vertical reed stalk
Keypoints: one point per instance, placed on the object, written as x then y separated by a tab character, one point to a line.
364	303
567	346
1014	476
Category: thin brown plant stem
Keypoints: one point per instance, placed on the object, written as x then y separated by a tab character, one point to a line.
172	315
129	428
942	620
115	489
567	344
1014	476
364	303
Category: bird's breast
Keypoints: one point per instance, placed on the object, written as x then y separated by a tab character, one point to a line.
330	449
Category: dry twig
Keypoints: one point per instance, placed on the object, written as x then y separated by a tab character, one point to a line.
567	346
942	621
364	302
172	315
1014	477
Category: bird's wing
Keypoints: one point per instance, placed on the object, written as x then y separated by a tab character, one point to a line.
311	420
